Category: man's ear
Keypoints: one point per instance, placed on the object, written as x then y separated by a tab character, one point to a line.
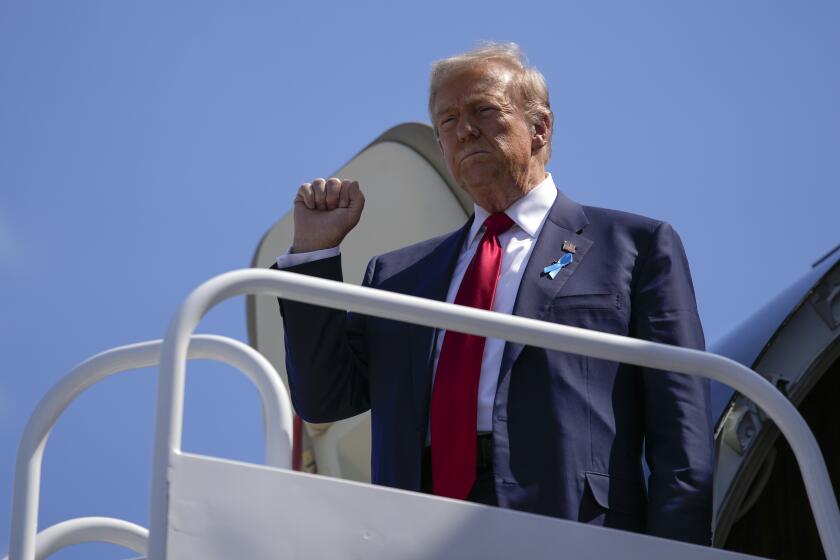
540	132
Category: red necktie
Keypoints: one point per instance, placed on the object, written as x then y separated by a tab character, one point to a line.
455	393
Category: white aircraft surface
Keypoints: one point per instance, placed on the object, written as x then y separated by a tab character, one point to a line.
205	507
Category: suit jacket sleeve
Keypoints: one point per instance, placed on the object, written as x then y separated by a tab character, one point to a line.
326	353
679	445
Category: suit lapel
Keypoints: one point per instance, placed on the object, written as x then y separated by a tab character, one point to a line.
434	274
565	222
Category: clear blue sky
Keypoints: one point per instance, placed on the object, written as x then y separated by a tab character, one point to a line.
146	147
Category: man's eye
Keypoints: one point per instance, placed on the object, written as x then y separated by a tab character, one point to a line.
447	121
486	109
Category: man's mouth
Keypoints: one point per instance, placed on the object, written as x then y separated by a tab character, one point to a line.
469	155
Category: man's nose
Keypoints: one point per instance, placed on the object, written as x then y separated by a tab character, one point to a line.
466	129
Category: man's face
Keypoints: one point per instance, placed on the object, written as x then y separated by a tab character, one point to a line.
486	139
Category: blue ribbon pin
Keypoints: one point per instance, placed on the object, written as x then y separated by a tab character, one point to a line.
555	267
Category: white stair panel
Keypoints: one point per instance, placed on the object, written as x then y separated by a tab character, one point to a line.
220	509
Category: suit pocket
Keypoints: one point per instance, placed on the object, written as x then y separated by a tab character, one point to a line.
588	301
615	494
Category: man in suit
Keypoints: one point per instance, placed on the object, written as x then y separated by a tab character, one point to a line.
501	423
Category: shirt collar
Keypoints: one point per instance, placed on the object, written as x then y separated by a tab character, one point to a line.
529	212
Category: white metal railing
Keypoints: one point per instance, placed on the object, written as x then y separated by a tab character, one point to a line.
91	529
277	424
410	309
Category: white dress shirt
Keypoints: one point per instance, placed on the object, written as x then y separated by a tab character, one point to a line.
528	214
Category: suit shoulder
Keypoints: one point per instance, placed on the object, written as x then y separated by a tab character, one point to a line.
404	258
418	250
619	218
621	228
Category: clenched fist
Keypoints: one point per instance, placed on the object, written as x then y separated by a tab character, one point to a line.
325	212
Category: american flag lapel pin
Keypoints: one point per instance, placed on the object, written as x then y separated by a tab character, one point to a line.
569	247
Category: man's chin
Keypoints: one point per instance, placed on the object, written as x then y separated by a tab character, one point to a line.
479	178
481	192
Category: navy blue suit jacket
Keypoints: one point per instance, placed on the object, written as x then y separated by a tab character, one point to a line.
568	431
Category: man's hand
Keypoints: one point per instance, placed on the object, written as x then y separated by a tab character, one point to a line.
325	212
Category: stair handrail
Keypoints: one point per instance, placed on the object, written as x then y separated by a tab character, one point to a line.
276	410
421	311
81	530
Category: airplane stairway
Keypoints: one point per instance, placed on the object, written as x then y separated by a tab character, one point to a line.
211	508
